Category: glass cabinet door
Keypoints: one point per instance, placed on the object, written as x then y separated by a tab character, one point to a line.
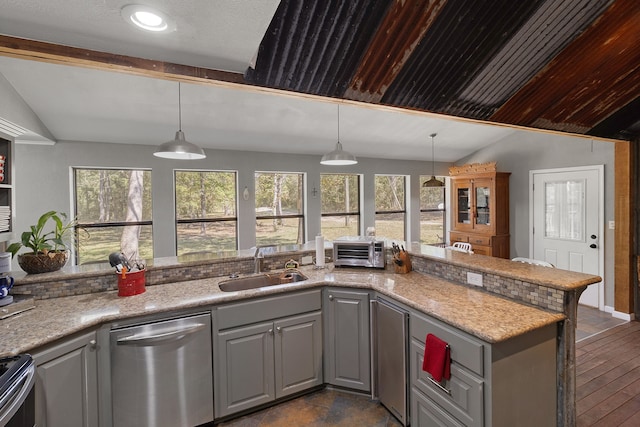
483	210
464	204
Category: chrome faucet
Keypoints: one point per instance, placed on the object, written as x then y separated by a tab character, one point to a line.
259	259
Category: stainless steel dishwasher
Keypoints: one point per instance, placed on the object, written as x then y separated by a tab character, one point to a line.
161	373
391	362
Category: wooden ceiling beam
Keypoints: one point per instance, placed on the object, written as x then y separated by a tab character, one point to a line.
66	55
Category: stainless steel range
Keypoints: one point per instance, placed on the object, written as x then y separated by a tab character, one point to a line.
17	397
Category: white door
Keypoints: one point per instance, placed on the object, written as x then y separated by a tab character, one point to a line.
567	218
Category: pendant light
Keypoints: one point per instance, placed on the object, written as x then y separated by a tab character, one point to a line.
433	182
338	157
179	148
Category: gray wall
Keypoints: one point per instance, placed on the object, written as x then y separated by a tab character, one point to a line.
43	182
548	151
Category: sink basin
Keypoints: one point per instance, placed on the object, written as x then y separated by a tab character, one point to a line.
254	282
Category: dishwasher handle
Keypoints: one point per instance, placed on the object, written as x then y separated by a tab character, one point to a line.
150	339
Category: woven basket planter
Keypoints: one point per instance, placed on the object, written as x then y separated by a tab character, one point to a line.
43	263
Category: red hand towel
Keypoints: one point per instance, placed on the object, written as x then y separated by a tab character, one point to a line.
437	358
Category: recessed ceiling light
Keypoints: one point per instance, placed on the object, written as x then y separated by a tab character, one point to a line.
147	18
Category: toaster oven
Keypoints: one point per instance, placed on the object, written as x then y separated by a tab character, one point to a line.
358	251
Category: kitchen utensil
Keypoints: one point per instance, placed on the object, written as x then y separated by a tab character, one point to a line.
118	260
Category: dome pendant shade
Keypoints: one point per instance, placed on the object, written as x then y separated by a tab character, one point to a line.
433	181
179	148
338	157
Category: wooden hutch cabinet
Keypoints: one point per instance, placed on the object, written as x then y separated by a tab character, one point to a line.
480	208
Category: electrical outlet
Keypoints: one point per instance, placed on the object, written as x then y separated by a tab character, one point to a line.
306	260
474	279
612	225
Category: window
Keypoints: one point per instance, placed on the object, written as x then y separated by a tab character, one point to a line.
206	217
113	210
340	214
390	206
279	208
432	213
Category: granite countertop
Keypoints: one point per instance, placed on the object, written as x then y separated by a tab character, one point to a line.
556	278
551	277
484	315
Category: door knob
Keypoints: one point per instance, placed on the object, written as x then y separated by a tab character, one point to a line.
593	246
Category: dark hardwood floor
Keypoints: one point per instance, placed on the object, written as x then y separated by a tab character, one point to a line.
608	375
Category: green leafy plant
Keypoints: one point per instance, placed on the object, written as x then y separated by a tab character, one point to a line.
41	241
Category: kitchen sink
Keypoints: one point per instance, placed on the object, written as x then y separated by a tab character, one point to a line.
261	281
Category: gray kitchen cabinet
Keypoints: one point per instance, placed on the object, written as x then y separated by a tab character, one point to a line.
67	383
266	360
347	358
498	384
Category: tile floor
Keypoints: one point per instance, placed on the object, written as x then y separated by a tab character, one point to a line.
330	407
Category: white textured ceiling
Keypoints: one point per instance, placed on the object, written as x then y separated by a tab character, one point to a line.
79	104
217	34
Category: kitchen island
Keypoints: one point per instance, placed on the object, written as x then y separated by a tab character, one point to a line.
433	291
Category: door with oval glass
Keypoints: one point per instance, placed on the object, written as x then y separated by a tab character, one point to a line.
567	223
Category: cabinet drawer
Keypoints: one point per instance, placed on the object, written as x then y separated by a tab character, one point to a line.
480	240
464	350
482	250
425	413
261	309
461	395
458	237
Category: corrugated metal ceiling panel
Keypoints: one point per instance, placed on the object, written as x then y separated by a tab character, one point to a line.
315	47
569	65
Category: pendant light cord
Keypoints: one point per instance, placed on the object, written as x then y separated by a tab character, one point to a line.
433	160
338	122
179	109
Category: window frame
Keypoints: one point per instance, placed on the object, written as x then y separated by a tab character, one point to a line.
301	216
423	178
82	226
177	221
405	218
358	214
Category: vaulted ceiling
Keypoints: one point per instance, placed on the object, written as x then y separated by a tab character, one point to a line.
567	65
562	65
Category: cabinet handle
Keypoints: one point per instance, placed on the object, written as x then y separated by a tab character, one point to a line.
270	331
278	329
93	344
330	297
437	384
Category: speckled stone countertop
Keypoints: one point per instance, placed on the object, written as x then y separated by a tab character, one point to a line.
552	277
486	316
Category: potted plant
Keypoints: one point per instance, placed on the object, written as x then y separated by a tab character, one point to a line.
48	248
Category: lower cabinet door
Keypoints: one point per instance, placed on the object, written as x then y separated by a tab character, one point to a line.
347	341
425	413
298	353
244	373
66	389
